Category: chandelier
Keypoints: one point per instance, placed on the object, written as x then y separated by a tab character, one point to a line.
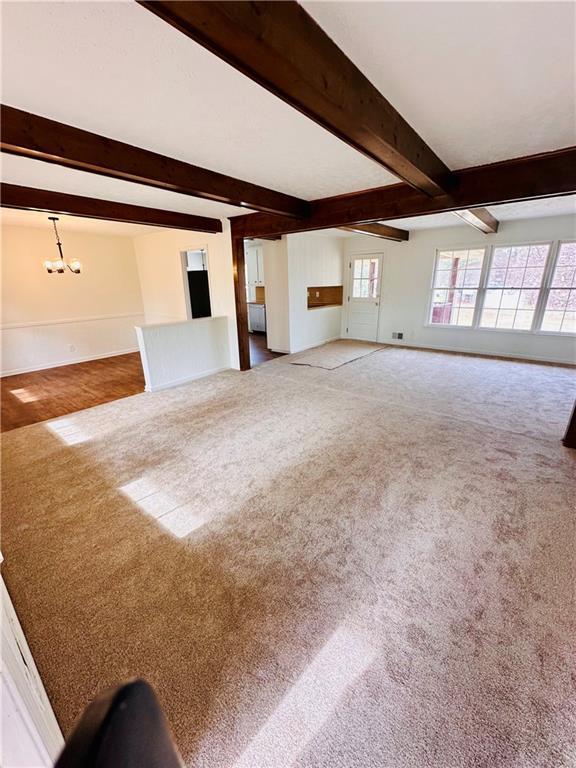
59	265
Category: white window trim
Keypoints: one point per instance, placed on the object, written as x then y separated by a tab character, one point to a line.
432	288
544	290
536	318
553	259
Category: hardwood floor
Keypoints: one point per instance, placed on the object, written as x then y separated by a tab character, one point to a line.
30	397
259	352
40	395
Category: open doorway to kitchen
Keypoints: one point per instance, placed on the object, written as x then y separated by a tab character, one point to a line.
256	299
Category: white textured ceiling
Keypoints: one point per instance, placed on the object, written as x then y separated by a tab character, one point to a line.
480	81
530	209
35	173
15	218
118	70
553	206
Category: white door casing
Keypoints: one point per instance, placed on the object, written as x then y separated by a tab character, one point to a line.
363	297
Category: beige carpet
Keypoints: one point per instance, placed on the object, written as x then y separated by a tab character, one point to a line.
367	567
334	354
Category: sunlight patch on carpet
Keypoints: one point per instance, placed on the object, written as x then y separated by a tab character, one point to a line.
310	701
177	518
69	431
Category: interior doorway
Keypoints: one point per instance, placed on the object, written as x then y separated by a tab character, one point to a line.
197	283
257	304
363	304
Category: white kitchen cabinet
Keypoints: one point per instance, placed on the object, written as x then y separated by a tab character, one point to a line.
257	317
260	265
254	265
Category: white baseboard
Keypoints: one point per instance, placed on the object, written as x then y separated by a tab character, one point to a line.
75	360
185	379
479	353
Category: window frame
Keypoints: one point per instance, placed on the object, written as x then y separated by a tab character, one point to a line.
553	259
433	288
377	280
544	290
536	318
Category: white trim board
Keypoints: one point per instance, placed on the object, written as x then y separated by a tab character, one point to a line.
68	321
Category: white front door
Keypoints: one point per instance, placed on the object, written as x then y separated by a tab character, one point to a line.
364	296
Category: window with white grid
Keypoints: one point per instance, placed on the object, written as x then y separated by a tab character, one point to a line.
455	286
513	286
365	280
560	312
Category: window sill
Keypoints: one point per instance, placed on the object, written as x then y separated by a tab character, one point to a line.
450	327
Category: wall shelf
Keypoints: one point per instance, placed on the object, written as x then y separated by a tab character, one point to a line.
325	296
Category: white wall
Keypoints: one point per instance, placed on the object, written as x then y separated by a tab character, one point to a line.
407	275
174	353
163	281
313	260
275	254
51	320
161	277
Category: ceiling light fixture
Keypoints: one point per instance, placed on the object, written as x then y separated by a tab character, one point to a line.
59	265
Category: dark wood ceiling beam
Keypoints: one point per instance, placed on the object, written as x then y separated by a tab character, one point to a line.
479	218
39	138
379	230
31	199
282	48
537	176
